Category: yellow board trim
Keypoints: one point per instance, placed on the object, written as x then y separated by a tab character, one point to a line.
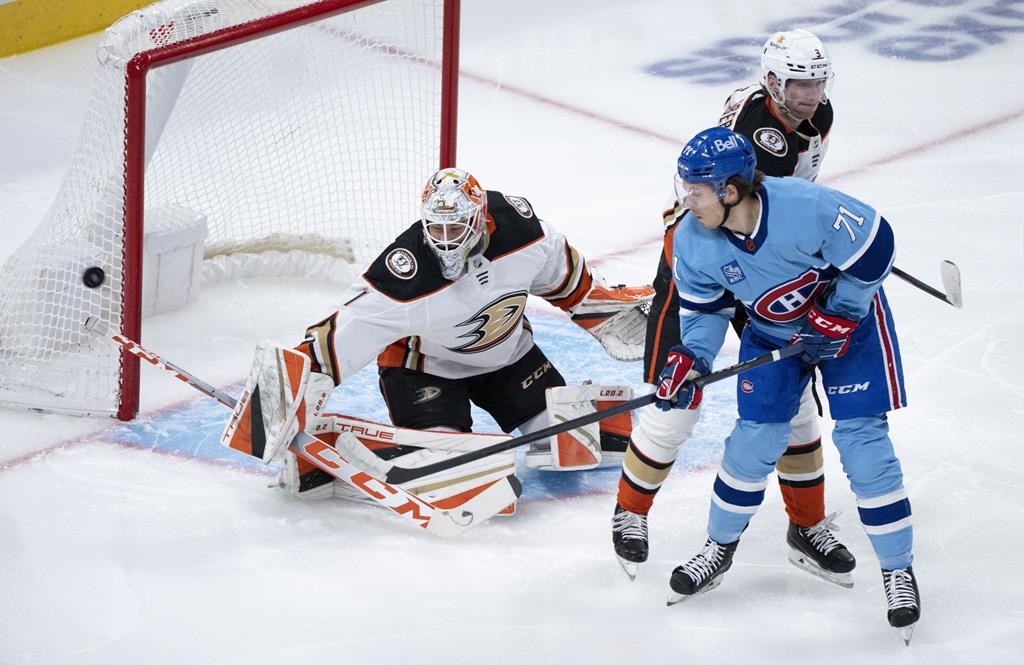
30	24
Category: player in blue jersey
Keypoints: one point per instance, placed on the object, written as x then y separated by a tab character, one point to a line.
806	263
787	117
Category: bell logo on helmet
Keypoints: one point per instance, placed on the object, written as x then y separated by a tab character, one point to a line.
730	143
715	155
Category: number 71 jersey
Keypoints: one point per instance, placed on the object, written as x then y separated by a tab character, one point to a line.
807	238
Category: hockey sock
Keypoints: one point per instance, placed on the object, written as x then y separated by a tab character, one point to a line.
802	483
641	479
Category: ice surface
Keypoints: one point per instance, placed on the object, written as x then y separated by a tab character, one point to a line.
145	543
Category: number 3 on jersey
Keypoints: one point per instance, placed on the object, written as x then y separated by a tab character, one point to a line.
844	218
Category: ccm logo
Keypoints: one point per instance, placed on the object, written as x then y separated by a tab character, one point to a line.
537	374
846	390
830	326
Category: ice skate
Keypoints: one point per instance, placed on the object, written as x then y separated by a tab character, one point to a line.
629	537
815	550
903	600
703	572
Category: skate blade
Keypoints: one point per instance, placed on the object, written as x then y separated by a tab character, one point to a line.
906	633
674	597
802	562
631	567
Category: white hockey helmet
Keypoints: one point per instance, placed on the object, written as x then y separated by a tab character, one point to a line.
453	219
795	55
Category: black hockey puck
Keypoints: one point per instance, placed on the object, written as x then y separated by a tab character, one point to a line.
93	276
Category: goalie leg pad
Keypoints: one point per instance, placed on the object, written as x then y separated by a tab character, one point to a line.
591	446
281	398
381	445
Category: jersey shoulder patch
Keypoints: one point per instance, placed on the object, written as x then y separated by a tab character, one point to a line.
515	224
771	140
406	269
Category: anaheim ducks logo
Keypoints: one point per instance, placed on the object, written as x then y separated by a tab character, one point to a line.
493	324
771	140
427	394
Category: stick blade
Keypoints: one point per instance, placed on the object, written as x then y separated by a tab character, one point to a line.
951	281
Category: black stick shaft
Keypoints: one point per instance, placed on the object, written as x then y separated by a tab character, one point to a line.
399	474
930	290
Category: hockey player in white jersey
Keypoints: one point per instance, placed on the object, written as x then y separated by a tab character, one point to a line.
787	117
807	263
442	310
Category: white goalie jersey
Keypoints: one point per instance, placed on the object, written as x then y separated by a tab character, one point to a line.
405	313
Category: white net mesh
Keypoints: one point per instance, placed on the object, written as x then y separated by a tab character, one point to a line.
314	137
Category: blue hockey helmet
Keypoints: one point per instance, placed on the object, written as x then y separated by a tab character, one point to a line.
715	155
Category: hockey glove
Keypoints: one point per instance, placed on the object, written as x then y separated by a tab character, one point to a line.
617	317
674	391
826	335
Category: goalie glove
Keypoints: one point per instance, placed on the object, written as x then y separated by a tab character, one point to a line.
617	317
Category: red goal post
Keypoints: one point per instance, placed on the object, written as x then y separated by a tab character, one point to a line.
285	123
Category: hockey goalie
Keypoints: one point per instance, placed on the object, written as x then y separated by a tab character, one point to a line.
443	311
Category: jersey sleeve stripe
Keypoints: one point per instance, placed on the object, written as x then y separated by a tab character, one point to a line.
576	284
867	244
724	304
875	262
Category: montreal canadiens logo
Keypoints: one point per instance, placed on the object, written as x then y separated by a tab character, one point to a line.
746	386
771	140
790	301
401	263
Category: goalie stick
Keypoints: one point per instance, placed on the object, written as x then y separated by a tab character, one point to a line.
393	473
950	281
411	508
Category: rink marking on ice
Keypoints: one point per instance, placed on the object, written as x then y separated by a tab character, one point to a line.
113	435
832	178
896	156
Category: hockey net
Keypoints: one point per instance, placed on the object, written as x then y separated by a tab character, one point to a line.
294	127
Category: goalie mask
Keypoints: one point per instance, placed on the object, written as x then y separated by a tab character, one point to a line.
453	219
796	55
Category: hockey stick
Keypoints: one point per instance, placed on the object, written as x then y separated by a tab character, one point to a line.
393	473
410	507
950	281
